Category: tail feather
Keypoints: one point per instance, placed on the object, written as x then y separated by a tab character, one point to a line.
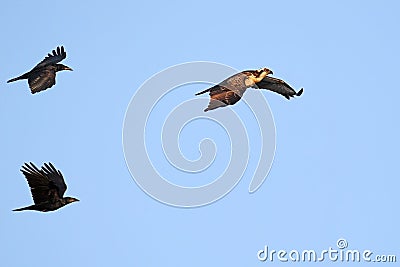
25	208
205	91
215	104
16	79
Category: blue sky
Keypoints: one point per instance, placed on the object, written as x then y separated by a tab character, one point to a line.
335	172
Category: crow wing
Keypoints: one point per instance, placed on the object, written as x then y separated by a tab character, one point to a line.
278	86
56	177
52	59
42	79
44	186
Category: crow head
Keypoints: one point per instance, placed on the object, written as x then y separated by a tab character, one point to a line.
70	199
63	67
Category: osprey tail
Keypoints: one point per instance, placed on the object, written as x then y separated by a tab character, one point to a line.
205	91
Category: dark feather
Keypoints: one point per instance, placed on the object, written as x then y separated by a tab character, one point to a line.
39	81
56	177
41	183
278	86
52	59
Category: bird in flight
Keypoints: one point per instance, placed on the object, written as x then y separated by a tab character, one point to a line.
47	188
43	75
231	90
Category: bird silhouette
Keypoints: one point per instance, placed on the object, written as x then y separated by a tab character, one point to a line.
43	75
47	188
231	90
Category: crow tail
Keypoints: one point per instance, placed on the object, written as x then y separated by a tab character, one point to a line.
16	79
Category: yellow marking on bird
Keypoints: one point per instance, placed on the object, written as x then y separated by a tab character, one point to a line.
253	80
261	76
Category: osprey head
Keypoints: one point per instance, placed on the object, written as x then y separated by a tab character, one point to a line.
264	70
255	76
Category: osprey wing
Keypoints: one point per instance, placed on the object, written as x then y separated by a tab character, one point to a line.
278	86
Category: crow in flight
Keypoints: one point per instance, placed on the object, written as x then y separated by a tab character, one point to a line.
230	91
47	187
43	75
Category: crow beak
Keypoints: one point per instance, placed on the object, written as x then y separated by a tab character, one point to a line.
68	68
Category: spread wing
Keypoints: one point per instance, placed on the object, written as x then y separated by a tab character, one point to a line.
42	188
278	86
56	177
221	96
42	79
52	59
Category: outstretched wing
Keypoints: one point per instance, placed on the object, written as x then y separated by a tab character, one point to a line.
221	96
42	188
42	79
278	86
55	177
52	59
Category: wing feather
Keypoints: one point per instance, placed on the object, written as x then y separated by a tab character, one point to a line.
41	80
278	86
51	59
56	177
46	184
38	182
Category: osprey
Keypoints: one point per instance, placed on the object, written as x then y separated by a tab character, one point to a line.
43	75
47	187
231	90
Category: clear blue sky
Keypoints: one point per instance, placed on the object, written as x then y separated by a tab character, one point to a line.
335	172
